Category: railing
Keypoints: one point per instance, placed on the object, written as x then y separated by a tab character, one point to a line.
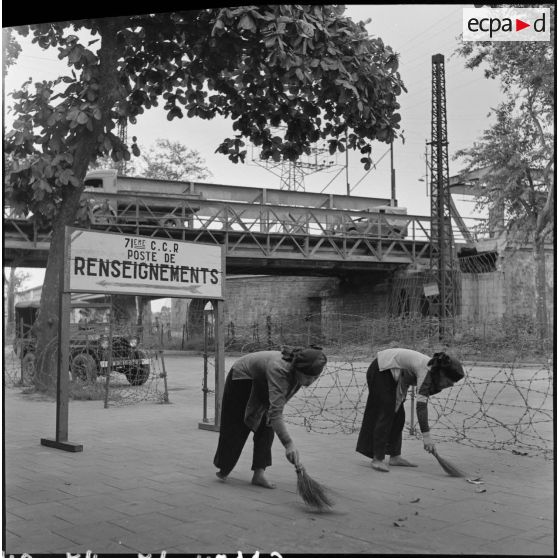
252	229
249	229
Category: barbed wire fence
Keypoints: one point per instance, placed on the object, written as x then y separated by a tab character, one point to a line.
136	374
503	403
120	391
508	408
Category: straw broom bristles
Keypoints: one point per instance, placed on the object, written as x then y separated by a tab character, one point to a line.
448	467
312	492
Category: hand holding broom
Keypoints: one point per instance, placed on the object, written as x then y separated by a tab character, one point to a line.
448	467
312	492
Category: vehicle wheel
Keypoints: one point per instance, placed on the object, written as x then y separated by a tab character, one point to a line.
84	367
28	369
138	376
103	216
170	221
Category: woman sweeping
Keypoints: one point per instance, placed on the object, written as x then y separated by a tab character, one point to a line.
389	377
256	390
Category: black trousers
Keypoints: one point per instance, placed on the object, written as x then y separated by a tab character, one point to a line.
234	432
381	432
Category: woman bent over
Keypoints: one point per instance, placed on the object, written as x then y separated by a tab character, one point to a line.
388	378
256	390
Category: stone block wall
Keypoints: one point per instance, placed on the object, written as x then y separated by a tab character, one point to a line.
520	287
508	293
359	294
485	297
482	296
251	298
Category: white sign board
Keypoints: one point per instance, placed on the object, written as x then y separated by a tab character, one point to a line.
431	289
137	265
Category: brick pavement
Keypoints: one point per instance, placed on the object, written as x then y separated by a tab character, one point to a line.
145	483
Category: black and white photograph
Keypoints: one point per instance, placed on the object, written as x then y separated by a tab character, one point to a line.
279	280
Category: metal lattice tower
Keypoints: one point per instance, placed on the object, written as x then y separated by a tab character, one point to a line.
292	176
441	255
292	173
123	136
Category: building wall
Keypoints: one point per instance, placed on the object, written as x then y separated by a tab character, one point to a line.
485	297
359	294
520	287
509	292
482	296
251	299
34	293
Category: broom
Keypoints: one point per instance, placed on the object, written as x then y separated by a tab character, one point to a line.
312	492
448	467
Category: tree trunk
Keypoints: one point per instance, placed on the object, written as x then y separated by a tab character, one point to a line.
540	289
140	306
46	330
46	326
10	302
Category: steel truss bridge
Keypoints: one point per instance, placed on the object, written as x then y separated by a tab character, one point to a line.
263	230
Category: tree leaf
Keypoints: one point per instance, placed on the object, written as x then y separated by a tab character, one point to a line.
246	22
309	66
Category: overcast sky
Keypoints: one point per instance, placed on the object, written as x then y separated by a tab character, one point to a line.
416	32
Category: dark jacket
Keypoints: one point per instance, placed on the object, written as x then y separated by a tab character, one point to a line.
273	384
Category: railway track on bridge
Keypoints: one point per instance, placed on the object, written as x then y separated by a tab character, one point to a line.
262	230
246	251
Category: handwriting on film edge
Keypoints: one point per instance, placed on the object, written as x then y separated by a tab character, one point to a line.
89	554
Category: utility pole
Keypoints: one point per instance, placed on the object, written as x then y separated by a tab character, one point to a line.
426	165
122	128
347	166
292	173
441	254
392	202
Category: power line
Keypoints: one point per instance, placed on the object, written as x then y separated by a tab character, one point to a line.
453	86
373	167
438	48
423	31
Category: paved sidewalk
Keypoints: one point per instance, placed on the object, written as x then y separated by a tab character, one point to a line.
145	483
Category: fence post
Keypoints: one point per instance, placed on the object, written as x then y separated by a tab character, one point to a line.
21	345
108	354
412	428
268	324
205	356
166	396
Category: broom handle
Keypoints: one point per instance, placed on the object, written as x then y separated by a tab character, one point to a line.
438	458
435	454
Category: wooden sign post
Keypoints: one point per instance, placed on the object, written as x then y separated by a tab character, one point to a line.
62	375
110	263
219	317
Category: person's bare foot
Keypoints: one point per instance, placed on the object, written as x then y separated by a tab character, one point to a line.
222	477
379	466
259	480
398	461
